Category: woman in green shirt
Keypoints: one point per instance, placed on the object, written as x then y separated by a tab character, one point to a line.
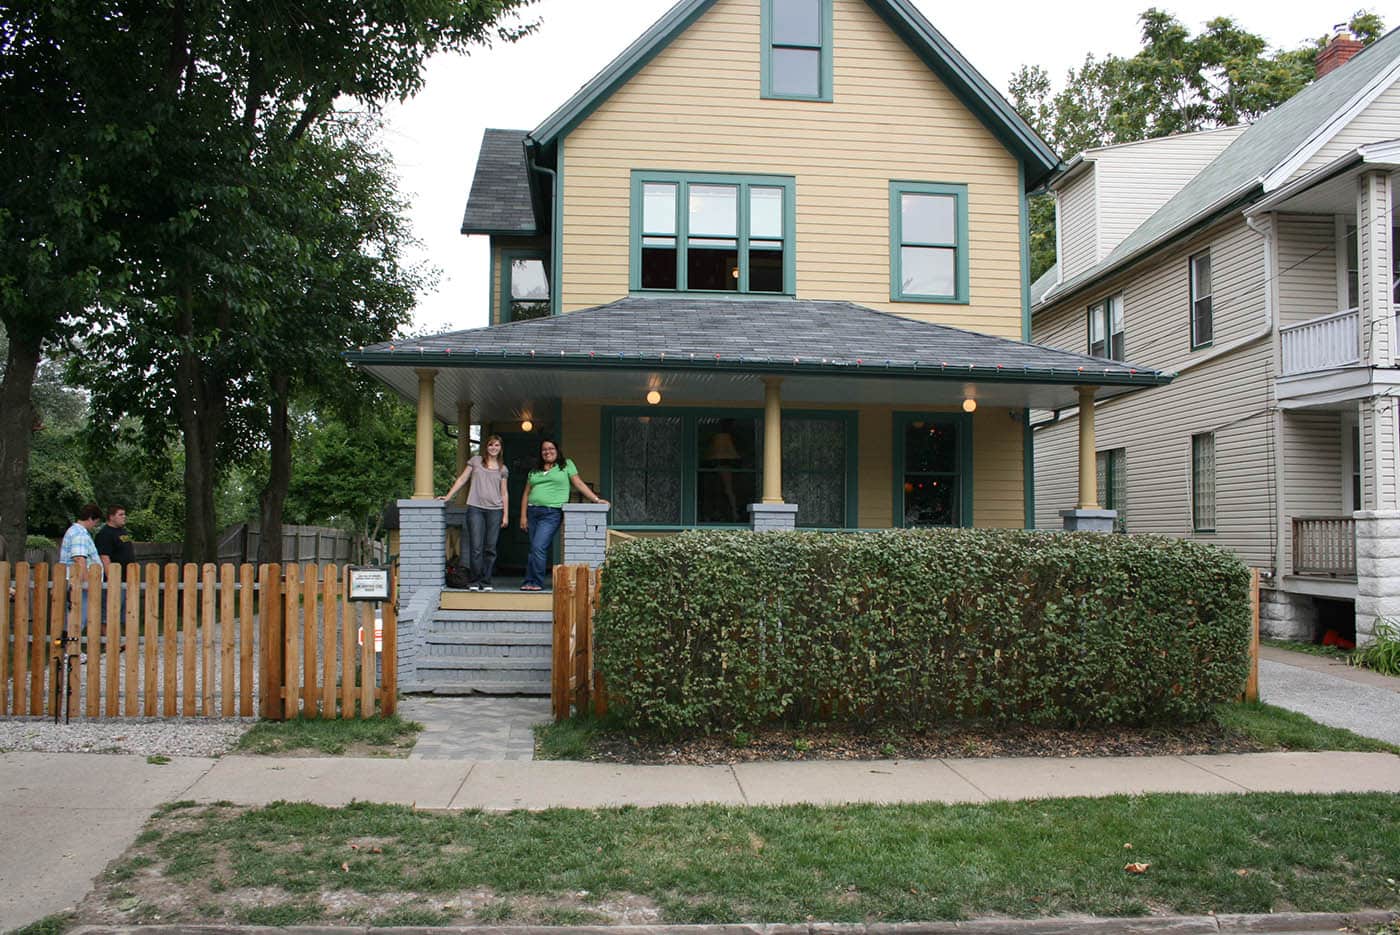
541	508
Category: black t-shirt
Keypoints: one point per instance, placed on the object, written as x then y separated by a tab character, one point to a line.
115	543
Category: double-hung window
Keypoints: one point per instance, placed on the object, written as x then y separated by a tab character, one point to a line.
525	286
1202	318
933	469
1106	328
928	242
797	49
712	233
1203	482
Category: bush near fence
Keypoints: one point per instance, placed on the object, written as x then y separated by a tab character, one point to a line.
716	630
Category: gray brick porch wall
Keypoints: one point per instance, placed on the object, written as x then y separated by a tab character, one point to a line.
422	561
1377	570
773	517
585	533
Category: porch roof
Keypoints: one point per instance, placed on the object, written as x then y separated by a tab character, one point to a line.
700	349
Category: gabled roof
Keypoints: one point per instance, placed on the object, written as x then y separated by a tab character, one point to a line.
758	336
499	202
1237	175
936	51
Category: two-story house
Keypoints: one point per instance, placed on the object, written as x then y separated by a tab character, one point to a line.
769	269
1258	264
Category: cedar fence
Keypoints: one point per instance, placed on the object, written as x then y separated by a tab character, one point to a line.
192	641
575	683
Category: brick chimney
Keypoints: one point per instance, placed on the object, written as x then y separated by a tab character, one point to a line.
1337	52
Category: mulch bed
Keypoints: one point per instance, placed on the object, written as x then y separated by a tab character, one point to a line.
825	742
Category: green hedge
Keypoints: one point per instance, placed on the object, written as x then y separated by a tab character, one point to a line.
717	630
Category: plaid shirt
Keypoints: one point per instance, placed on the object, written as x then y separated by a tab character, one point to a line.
77	543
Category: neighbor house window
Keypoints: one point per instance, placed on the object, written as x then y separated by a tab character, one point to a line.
933	464
681	467
525	287
928	242
797	49
1203	482
713	233
1202	320
1113	484
1354	267
1106	328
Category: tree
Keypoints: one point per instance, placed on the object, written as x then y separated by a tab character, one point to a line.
1177	83
230	95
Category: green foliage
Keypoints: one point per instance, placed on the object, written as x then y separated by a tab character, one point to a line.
717	630
1382	654
39	542
56	924
58	481
392	735
1280	729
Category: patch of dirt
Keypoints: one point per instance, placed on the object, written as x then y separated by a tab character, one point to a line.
827	742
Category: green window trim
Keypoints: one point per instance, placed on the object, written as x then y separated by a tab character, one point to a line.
690	457
963	423
958	191
823	47
501	305
683	181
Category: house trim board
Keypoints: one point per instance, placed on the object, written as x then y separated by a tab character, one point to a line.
690	456
966	83
556	237
1023	206
1335	387
1028	466
1324	134
766	59
963	422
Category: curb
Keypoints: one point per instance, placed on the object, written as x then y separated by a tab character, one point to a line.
1294	923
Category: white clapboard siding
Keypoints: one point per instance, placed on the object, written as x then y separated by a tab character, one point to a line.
1307	263
1379	121
1313	478
1076	211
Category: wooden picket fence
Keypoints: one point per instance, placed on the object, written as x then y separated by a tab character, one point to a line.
192	641
575	681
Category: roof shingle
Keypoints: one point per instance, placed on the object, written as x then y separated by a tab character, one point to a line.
499	202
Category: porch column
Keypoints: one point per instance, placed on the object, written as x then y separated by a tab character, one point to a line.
423	448
772	513
1087	516
1373	252
464	443
1378	520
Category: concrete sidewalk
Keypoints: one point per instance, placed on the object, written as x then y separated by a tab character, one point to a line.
503	785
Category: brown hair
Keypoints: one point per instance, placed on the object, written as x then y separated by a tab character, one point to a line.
482	452
89	511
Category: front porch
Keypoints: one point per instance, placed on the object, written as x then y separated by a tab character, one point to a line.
709	413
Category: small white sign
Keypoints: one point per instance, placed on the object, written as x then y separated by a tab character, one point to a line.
369	583
378	634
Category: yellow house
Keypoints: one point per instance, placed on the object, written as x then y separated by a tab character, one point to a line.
768	268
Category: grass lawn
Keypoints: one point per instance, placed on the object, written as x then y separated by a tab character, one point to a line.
1312	649
379	864
1256	727
379	736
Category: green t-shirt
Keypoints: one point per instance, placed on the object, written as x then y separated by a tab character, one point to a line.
551	488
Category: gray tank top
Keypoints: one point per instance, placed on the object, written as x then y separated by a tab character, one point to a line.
485	485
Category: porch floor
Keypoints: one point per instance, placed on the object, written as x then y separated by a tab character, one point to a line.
507	596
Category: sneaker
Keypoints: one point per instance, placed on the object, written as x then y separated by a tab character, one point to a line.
487	587
473	587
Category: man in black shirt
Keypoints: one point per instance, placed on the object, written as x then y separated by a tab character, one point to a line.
114	540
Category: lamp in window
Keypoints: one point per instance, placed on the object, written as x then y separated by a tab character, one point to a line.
653	397
969	405
527	426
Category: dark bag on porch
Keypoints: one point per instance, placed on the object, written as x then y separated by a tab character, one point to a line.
457	576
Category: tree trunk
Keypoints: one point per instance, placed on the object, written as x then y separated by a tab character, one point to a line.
279	475
199	403
16	431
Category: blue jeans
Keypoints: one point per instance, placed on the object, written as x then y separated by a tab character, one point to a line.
544	522
483	528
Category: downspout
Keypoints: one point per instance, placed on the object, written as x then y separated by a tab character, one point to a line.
1278	517
532	149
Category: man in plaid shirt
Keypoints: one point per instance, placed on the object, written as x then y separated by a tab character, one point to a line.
78	548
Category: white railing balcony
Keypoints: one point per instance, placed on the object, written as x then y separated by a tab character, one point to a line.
1324	545
1322	343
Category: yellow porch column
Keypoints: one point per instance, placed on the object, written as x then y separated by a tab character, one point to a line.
1088	473
464	443
772	441
423	447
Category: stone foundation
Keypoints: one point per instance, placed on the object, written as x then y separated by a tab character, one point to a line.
1088	520
1377	570
1285	616
773	517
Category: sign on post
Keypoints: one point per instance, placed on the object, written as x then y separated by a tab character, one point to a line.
369	583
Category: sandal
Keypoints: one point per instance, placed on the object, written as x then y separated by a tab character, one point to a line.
531	587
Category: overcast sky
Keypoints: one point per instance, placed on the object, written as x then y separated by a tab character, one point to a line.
434	137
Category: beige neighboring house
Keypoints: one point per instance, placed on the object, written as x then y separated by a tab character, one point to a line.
1257	263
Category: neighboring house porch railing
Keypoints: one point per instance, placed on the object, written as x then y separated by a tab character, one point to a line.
1324	545
1322	343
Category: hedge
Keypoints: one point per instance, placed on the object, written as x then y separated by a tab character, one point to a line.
718	630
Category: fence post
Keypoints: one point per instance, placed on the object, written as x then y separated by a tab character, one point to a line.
270	656
600	692
583	636
559	667
389	658
1251	687
5	638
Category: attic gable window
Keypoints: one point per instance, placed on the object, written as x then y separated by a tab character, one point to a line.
797	50
712	233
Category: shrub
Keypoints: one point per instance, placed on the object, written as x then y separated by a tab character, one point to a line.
39	542
719	630
1382	654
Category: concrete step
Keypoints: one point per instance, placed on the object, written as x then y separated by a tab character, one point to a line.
428	664
492	688
531	616
464	627
489	639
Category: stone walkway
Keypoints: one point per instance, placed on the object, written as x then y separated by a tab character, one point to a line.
1331	692
475	727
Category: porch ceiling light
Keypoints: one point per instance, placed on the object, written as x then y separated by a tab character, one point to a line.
527	426
653	397
969	405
